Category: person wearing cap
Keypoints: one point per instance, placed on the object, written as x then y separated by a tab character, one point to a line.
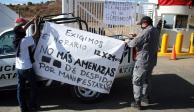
146	44
24	58
21	22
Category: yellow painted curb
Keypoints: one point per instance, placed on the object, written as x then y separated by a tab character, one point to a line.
177	54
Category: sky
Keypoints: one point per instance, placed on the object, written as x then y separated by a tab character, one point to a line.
20	1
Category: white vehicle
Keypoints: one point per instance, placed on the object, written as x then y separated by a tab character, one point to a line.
8	76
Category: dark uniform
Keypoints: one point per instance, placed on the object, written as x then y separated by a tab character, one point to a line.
146	44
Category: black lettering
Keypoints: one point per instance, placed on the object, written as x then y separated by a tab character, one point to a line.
74	70
96	42
95	67
13	68
7	68
2	76
89	83
42	65
46	67
52	70
84	82
14	75
78	62
68	32
104	79
78	80
73	34
72	77
96	76
100	44
85	64
67	67
46	50
112	72
60	41
76	44
65	56
83	73
96	85
67	75
104	55
92	40
1	68
101	85
81	38
107	72
97	52
9	75
90	65
111	57
101	69
66	42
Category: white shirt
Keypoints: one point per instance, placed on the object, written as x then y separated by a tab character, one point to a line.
23	61
29	31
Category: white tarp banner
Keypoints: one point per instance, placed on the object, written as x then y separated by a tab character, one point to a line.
119	13
78	57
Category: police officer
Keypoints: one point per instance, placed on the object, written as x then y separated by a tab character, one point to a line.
146	43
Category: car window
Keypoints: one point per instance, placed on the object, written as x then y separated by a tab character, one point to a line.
6	45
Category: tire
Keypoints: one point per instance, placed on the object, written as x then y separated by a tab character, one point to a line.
85	95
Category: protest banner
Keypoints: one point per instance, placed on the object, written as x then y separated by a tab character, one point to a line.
119	13
78	57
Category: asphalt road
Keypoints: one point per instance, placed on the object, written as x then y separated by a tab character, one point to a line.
172	91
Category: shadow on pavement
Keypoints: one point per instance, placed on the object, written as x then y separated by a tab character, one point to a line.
169	91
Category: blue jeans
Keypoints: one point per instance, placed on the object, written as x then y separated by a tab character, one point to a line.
23	76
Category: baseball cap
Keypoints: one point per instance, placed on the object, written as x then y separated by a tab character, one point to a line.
146	19
20	21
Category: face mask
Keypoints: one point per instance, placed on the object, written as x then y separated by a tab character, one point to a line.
144	25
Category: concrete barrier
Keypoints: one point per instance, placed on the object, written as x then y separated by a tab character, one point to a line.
178	45
164	44
179	42
191	48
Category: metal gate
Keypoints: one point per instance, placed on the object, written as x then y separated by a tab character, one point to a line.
92	11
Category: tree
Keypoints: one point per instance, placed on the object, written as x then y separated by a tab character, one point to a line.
30	3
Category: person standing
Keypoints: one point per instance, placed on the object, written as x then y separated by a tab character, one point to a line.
24	58
159	25
146	44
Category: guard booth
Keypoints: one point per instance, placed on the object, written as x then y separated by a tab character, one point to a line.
177	16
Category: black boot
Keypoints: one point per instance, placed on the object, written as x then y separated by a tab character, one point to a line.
136	104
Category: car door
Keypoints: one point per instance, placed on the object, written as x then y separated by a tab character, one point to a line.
7	59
